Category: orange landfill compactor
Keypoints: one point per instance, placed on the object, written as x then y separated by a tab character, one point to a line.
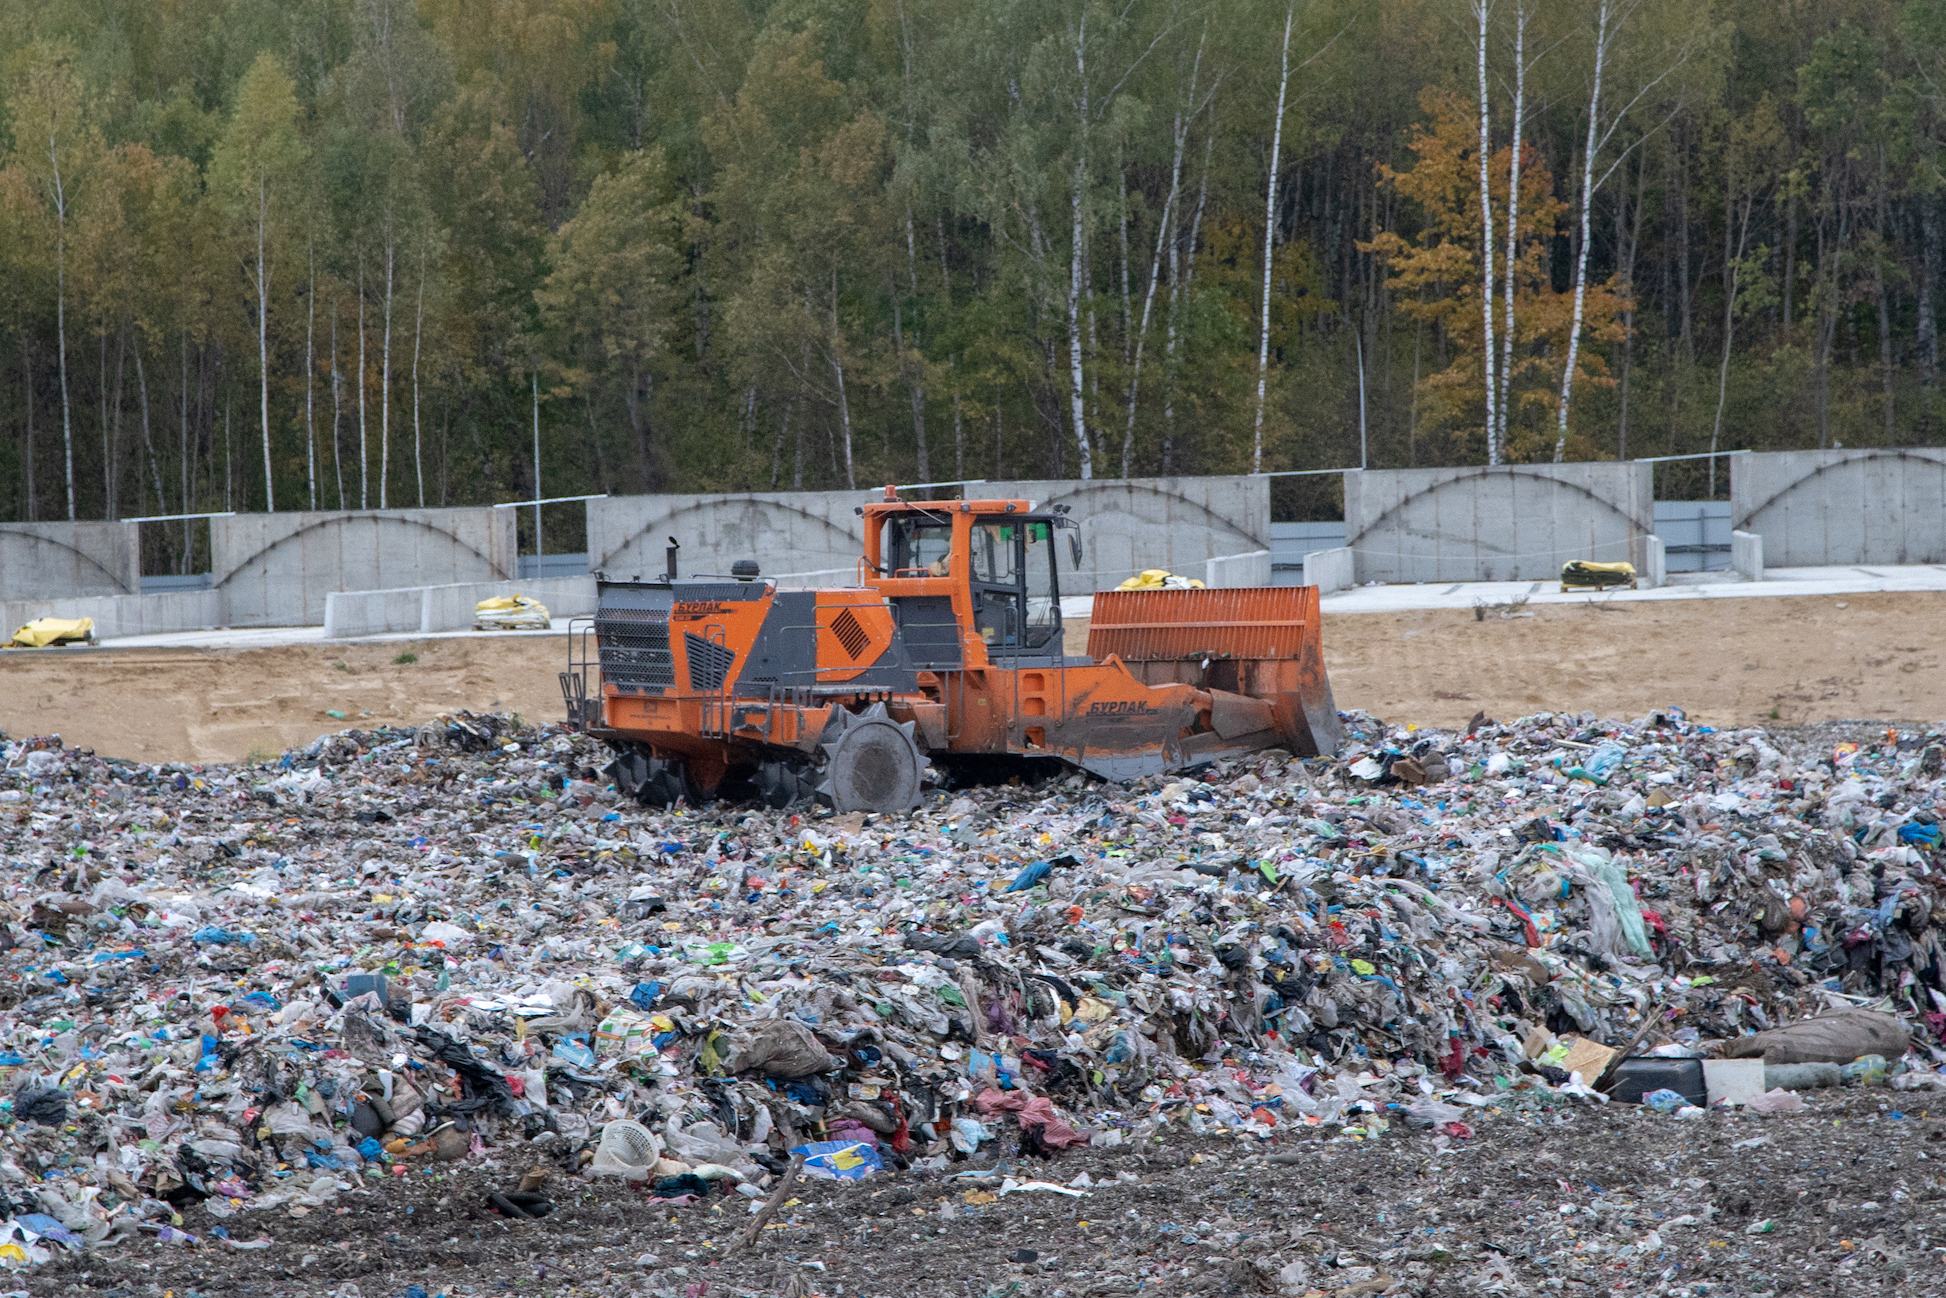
947	650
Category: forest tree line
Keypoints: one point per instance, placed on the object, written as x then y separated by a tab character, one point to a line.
328	254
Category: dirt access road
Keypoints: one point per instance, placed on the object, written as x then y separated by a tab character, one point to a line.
1611	1200
1727	661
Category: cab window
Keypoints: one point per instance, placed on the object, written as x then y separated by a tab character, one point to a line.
993	553
919	548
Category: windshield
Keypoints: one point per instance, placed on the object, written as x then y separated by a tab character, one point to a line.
993	553
920	547
1043	592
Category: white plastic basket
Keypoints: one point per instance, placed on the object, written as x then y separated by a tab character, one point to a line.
627	1149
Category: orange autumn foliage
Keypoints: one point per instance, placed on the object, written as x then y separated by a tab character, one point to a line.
1436	277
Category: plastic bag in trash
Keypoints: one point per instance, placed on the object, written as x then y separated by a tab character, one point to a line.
49	1108
1777	1101
1866	1070
839	1160
703	1142
1664	1100
1836	1038
783	1048
1432	1113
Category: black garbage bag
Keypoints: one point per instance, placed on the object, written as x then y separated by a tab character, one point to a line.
49	1108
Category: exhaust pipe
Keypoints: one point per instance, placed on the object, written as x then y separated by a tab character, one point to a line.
674	545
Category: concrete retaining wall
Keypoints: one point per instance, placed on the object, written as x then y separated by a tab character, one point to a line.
789	531
1234	570
1330	570
814	538
1131	524
1506	523
1653	571
1818	508
276	569
65	560
118	616
428	609
1747	555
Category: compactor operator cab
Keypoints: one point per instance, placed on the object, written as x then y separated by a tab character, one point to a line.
1008	564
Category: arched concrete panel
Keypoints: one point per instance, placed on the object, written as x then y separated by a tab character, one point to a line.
785	532
276	569
1129	524
68	560
1843	507
1501	523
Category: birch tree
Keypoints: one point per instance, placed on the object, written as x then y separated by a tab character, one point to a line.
259	155
1482	12
1270	230
1610	18
46	118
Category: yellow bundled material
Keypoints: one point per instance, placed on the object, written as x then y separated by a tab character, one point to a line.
511	613
1579	575
1159	579
45	631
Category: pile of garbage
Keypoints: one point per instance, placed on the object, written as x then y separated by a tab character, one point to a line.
240	988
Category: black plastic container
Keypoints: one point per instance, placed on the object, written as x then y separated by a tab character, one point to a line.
1634	1078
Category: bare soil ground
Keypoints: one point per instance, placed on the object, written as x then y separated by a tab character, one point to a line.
1842	1200
1727	661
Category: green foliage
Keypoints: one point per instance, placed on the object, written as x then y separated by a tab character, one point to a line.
743	246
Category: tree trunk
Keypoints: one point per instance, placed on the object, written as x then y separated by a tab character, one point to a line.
263	336
112	468
641	386
1481	9
337	402
1513	215
1926	333
916	389
32	511
1077	258
61	331
601	456
364	461
310	374
1732	266
777	451
418	328
1884	306
539	549
148	438
838	374
1682	224
1163	235
1177	290
1270	234
1790	256
1581	257
385	386
1629	247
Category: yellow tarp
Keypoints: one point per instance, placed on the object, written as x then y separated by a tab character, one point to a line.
1580	575
1159	579
511	611
45	631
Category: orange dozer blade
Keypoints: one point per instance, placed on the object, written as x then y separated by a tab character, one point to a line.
1258	641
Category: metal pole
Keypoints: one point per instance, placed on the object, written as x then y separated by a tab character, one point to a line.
1359	338
539	549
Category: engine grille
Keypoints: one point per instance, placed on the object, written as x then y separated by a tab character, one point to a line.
635	648
851	634
708	663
